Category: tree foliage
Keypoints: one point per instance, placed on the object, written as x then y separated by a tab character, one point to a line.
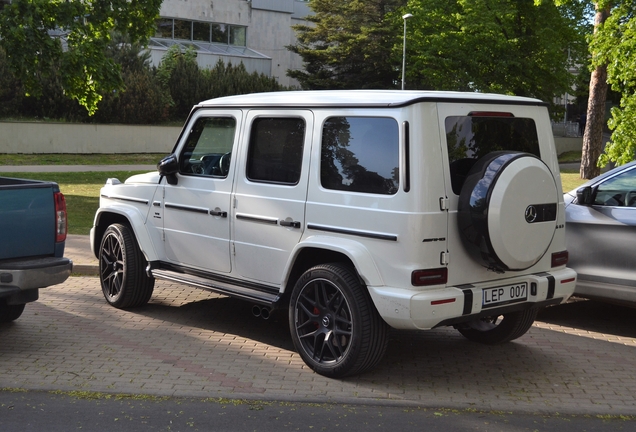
615	46
39	36
348	45
519	47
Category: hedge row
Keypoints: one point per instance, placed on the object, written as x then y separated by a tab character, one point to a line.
152	95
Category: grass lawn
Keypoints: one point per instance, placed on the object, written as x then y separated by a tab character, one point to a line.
81	189
571	180
80	159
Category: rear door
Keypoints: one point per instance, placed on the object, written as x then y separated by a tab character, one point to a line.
270	192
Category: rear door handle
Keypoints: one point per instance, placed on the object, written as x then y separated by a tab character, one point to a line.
291	224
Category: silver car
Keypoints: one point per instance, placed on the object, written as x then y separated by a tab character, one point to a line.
601	236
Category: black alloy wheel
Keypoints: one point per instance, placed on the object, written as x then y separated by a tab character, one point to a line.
122	269
333	322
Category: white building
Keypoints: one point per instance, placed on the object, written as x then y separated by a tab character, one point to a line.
254	32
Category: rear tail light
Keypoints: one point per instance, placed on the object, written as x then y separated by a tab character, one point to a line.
61	226
429	277
560	258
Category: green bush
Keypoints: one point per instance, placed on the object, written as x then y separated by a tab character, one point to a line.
151	95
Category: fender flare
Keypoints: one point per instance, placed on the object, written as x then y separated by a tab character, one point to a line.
354	250
136	220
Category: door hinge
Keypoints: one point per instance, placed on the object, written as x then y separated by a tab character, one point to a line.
443	203
233	249
444	258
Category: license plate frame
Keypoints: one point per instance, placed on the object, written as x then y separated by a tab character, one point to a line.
504	295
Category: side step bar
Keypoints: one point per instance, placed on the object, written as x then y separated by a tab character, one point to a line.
266	298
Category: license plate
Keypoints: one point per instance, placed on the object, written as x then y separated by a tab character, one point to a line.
504	295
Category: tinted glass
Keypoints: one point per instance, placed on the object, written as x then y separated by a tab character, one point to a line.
237	36
209	147
182	29
219	33
619	190
360	154
470	137
276	150
164	28
201	31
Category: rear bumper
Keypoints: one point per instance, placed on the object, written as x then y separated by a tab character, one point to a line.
409	309
23	275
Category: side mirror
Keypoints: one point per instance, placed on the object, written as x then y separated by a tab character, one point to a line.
585	196
168	167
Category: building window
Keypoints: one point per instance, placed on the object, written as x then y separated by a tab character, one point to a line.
219	33
200	31
237	36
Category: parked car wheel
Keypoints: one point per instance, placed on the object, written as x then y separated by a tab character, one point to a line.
498	329
9	312
333	322
122	269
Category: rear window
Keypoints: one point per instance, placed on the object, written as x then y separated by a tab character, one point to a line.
470	137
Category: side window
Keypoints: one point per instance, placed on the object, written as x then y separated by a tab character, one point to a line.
470	137
618	191
360	154
275	153
208	149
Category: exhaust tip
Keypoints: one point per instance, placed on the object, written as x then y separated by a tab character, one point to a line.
259	311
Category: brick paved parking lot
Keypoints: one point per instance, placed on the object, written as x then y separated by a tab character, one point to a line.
578	358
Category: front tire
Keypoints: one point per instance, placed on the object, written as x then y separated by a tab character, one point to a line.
499	329
334	324
9	312
122	269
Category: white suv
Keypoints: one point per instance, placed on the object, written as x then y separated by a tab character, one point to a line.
356	210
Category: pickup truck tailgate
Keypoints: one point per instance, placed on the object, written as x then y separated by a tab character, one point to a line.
28	220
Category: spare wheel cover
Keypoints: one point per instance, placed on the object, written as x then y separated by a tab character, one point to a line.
508	210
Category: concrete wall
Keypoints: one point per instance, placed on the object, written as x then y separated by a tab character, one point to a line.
563	144
27	137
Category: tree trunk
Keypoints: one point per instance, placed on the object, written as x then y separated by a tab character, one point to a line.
593	135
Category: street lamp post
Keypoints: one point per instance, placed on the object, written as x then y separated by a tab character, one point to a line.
404	17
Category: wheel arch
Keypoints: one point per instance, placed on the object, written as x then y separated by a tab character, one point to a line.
129	217
324	249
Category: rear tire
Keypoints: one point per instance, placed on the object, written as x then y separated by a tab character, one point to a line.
334	324
122	269
499	329
9	312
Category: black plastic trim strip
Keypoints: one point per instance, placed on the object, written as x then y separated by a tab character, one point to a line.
257	219
135	200
551	286
468	301
407	157
390	237
188	209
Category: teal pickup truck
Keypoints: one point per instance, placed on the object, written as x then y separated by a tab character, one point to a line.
32	237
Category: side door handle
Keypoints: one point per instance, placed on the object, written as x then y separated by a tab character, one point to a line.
218	213
290	224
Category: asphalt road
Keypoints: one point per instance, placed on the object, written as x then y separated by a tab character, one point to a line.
39	411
